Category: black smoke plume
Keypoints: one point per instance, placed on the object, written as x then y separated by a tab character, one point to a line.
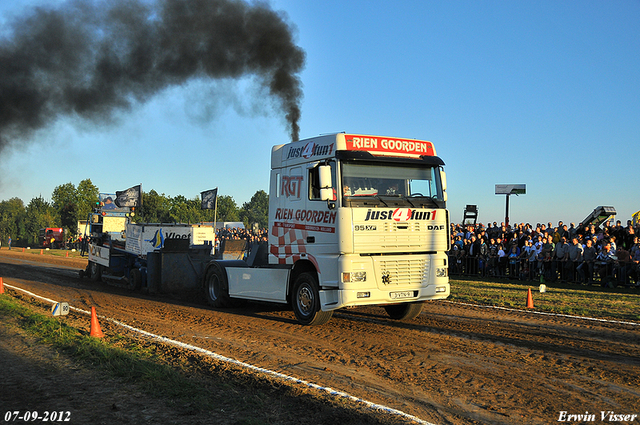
90	59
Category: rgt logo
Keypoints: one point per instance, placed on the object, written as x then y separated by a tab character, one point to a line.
400	214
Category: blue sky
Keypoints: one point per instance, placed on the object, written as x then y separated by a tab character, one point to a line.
543	93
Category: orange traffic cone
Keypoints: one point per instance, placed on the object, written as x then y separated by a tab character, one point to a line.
67	254
95	326
41	251
1	286
529	299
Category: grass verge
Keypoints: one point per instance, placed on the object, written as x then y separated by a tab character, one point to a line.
591	301
188	383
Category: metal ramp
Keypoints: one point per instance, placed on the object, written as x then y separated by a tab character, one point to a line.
598	216
471	214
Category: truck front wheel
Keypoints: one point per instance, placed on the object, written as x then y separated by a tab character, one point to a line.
305	301
405	311
215	287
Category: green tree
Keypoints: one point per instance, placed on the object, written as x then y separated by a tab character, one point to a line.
155	208
227	209
256	210
64	195
12	220
64	199
185	210
73	204
39	214
86	198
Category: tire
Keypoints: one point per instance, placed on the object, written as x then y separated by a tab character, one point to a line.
95	271
404	311
305	301
216	287
135	279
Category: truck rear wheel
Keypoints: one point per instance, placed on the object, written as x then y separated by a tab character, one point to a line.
216	287
135	279
95	271
405	311
305	301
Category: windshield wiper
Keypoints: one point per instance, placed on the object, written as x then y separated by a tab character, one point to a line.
406	198
381	200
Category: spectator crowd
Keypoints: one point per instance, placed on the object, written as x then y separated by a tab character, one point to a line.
608	254
237	233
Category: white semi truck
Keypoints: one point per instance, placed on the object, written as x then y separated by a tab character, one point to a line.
353	220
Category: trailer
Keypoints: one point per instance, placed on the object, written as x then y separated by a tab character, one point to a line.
118	250
353	220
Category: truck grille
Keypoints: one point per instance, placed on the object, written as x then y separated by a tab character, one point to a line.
401	272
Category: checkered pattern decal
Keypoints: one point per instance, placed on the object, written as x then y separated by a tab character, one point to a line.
290	243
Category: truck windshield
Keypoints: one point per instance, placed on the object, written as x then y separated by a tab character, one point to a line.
365	184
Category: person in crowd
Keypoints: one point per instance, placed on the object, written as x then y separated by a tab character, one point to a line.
493	257
560	257
574	257
474	251
502	261
623	266
483	257
604	264
513	262
532	260
585	269
635	260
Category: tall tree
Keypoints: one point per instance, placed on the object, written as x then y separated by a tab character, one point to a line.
155	208
227	209
185	210
64	195
12	219
256	210
87	197
39	214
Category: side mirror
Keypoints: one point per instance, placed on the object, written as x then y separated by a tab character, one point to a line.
443	180
326	186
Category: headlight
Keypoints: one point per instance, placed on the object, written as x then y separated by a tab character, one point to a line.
354	276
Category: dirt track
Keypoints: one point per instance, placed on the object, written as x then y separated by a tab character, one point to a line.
454	364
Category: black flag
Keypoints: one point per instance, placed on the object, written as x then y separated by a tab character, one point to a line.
209	199
131	197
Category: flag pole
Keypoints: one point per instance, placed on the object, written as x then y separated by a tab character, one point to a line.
215	212
215	221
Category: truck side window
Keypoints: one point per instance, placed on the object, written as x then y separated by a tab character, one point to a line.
314	184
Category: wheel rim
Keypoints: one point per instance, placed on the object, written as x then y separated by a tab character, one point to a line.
305	300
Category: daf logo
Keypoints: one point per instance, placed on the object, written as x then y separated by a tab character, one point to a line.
386	278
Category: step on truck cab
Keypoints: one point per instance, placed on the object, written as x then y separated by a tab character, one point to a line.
353	220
